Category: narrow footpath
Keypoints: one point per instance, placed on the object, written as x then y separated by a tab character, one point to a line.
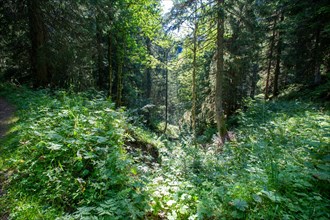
6	114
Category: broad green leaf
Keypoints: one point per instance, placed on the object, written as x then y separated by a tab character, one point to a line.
240	204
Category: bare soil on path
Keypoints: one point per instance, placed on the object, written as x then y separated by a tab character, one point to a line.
6	115
6	112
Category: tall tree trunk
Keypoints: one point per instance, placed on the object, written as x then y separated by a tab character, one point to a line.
270	58
166	91
194	95
38	36
120	62
219	110
148	74
278	60
120	82
100	66
255	69
300	57
148	85
110	64
317	59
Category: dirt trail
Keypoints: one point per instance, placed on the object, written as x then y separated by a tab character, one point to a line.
6	112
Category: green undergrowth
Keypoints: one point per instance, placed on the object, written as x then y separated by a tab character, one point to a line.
277	168
74	156
67	156
317	93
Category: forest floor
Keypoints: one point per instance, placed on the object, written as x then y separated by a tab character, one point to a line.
74	156
6	113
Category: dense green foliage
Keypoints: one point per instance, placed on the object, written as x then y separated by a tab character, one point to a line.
278	168
67	151
70	156
140	57
218	109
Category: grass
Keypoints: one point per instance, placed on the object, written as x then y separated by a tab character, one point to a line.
73	156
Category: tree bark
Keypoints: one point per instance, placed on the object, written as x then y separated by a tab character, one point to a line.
317	61
100	67
219	110
270	58
255	69
120	83
38	37
278	60
166	90
148	74
110	64
194	95
120	76
148	83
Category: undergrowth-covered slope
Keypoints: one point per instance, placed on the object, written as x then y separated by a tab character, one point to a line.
65	152
73	156
278	168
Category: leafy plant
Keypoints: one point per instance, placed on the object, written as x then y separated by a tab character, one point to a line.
73	156
70	154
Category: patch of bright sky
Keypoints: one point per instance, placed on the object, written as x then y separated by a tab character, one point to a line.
167	5
183	30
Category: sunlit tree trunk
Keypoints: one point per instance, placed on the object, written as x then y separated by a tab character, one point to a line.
194	95
219	110
148	84
166	90
148	74
38	37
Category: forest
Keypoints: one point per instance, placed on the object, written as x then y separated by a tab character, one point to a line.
164	109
